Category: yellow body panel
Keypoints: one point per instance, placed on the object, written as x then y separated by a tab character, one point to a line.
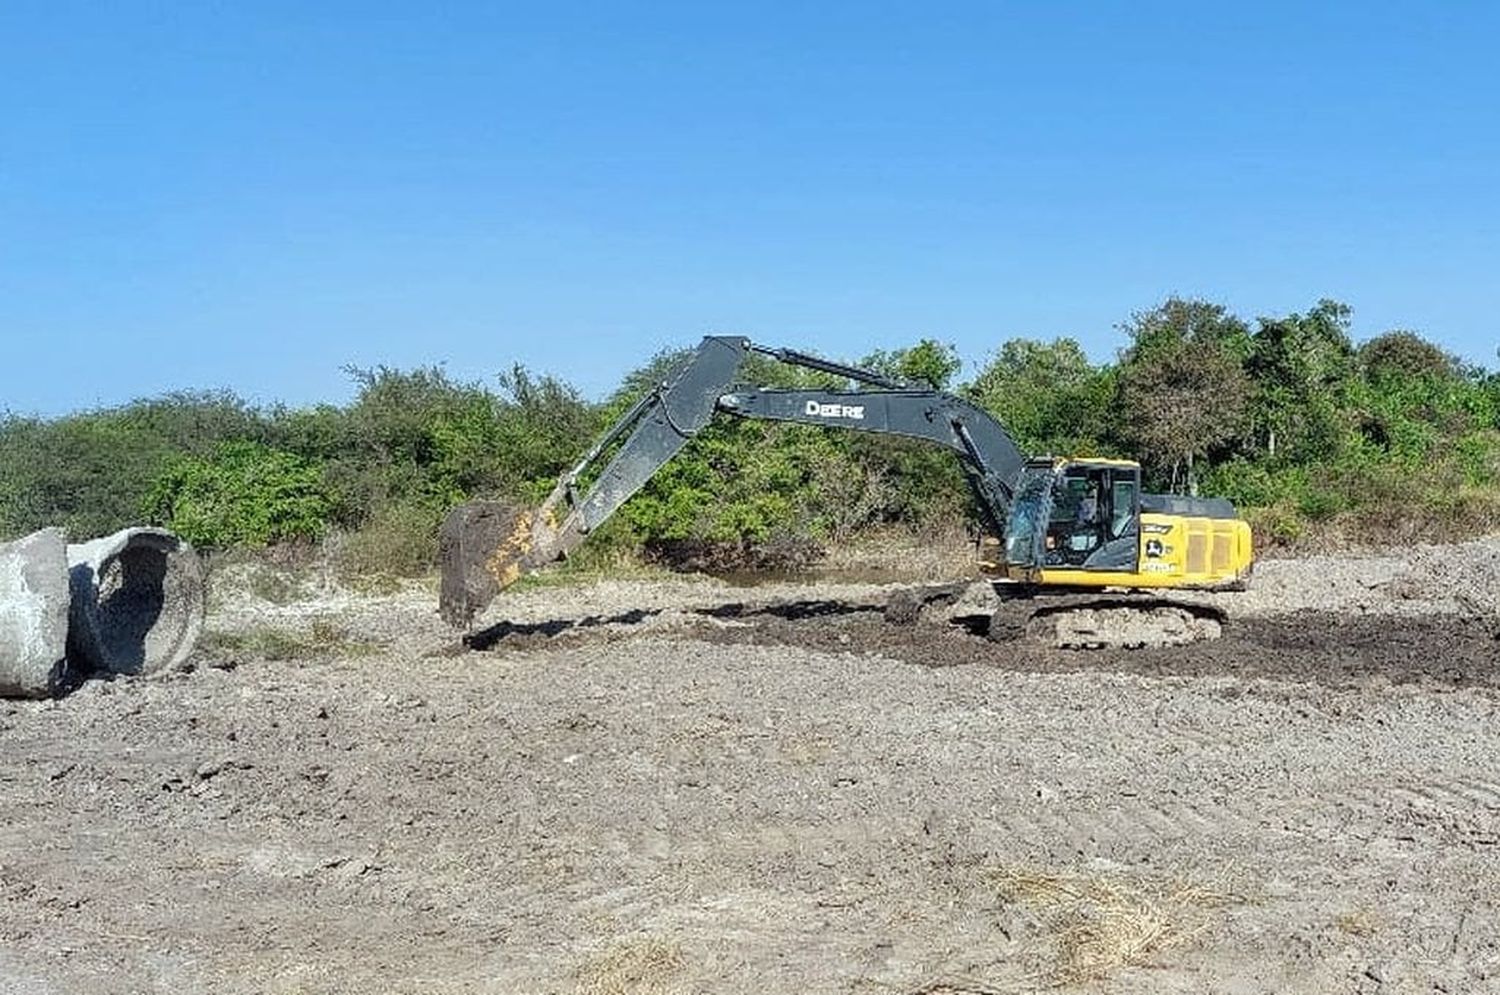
1175	552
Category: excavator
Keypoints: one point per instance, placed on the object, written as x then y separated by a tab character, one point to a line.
1077	553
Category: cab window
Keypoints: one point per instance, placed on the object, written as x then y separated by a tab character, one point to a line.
1122	503
1092	507
1080	510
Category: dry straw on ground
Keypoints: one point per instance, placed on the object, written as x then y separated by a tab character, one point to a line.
320	639
646	966
959	986
1102	924
1357	922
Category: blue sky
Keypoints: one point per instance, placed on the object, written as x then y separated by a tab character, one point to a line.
254	194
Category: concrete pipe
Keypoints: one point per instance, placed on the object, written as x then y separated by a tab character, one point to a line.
137	602
33	615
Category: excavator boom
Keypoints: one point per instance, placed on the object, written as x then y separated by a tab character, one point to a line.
485	547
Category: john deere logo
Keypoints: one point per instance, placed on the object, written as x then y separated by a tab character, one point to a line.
856	411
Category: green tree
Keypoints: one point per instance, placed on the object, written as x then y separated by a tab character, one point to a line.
1302	365
89	472
1414	399
242	493
928	362
1182	389
1179	321
1406	354
1049	396
515	444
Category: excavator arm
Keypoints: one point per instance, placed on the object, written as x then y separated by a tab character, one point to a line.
485	548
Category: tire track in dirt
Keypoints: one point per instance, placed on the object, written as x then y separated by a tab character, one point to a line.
1436	812
1326	650
1321	649
1132	823
1463	793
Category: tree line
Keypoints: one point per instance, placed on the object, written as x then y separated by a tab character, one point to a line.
1287	416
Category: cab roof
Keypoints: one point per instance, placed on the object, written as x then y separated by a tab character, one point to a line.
1060	462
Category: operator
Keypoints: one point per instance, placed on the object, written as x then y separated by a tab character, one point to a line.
1088	506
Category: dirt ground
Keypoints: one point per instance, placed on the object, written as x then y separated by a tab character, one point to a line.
681	786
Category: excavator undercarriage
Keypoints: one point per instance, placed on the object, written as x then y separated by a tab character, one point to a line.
1128	620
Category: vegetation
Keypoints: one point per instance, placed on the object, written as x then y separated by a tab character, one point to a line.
1285	415
321	639
242	493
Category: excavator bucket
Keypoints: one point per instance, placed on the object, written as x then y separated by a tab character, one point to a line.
486	546
481	547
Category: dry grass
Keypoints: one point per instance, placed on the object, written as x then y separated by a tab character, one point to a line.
289	574
1357	922
320	640
942	554
594	564
1464	512
235	575
646	966
1102	924
398	541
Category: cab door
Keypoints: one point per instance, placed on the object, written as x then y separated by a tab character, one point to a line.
1119	526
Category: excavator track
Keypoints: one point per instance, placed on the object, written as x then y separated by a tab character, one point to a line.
1100	621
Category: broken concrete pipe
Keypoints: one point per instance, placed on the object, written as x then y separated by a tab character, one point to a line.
137	602
129	603
33	615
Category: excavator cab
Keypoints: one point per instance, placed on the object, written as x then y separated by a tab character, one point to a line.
1075	514
1086	523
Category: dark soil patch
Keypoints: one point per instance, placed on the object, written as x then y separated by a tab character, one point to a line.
531	635
1323	648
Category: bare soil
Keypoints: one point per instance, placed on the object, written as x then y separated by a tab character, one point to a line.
682	786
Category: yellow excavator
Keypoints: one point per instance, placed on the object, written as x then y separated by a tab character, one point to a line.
1078	554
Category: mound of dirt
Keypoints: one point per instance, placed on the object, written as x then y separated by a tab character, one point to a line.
1468	573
